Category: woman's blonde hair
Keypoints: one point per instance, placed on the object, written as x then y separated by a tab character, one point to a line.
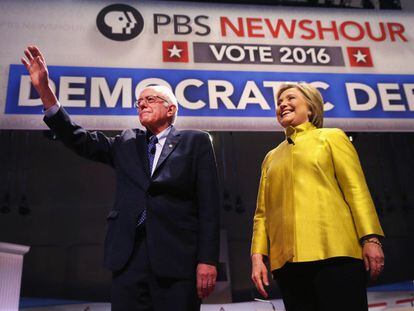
312	97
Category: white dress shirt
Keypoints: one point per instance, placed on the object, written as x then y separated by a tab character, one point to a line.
162	137
51	111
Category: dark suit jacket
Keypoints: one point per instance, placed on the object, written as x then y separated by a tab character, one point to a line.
181	197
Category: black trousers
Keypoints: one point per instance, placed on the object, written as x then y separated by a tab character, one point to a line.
138	288
333	284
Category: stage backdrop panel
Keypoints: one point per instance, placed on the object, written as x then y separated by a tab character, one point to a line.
224	62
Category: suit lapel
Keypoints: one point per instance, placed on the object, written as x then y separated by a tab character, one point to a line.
171	142
134	161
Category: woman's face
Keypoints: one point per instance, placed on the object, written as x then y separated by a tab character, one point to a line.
292	108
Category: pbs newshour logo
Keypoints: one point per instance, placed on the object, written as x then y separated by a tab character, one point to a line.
120	22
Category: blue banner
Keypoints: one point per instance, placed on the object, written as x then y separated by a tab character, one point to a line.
97	91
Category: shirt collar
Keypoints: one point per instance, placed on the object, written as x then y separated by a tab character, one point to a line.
160	135
164	133
293	132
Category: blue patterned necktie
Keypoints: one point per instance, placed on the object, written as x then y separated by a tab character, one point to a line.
152	146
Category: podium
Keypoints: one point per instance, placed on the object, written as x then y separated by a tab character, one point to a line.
11	265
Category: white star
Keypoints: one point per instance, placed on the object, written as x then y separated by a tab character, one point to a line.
175	52
360	57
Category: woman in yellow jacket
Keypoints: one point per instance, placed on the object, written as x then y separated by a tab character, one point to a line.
315	222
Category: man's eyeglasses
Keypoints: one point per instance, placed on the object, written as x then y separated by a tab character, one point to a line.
151	99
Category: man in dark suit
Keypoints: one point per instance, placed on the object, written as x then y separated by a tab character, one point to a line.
163	232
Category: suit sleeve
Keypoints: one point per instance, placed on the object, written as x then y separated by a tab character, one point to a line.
260	239
352	182
91	145
208	201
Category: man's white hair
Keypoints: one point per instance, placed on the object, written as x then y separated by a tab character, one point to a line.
166	93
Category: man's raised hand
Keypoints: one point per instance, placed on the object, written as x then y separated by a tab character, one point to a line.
36	66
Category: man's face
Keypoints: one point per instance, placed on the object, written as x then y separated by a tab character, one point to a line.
154	110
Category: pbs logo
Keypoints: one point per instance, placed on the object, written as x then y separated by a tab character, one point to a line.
120	22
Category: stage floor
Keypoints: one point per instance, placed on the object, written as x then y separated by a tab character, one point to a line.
394	297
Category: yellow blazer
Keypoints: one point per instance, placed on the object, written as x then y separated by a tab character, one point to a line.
313	201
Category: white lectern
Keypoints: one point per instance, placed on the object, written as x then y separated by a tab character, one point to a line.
11	265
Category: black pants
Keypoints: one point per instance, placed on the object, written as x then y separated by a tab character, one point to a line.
138	288
332	284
